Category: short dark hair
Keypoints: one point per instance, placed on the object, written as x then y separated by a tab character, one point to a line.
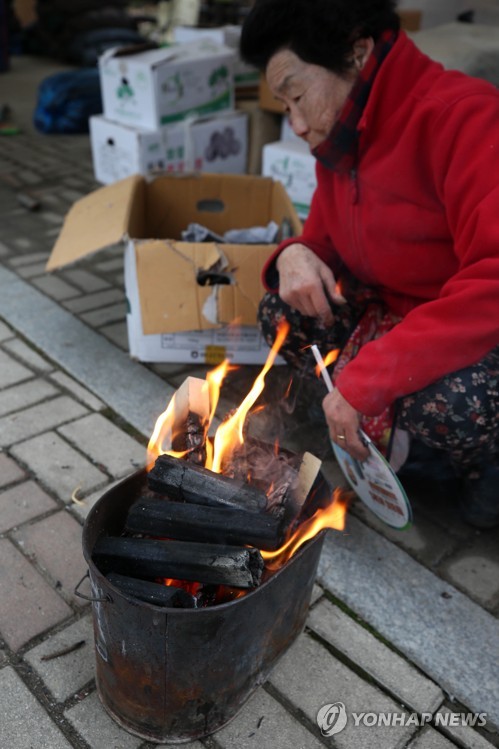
320	32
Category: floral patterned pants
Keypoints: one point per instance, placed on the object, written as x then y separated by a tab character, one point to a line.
458	413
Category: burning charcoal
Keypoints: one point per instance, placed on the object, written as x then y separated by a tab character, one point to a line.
192	483
160	595
192	522
181	560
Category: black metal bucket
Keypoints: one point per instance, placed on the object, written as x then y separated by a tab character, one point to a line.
173	675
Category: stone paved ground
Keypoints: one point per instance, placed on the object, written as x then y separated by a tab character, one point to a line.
398	622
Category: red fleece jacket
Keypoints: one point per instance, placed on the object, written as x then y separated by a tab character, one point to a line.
418	220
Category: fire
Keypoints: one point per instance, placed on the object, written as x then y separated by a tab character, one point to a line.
163	432
330	358
332	516
229	435
162	437
215	380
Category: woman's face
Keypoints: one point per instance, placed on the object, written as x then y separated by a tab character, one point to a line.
312	95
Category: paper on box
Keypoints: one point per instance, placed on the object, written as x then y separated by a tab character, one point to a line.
161	86
292	164
216	144
167	306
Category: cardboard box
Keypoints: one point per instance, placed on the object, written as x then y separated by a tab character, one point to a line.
162	86
410	20
266	98
287	132
172	316
245	76
213	144
263	128
292	164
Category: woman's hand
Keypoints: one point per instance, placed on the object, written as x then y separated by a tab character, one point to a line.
344	422
305	282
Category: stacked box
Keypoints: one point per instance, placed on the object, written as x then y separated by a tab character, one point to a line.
162	86
291	163
210	144
246	77
168	109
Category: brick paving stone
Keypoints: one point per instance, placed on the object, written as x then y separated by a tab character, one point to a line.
430	739
28	725
79	392
54	543
52	218
427	619
28	355
52	233
329	681
109	266
98	729
33	257
85	280
117	333
11	372
317	593
22	243
475	570
9	471
74	195
55	288
263	722
29	605
464	735
372	656
6	333
82	508
31	421
424	540
31	271
94	301
66	674
28	176
106	444
58	466
27	394
21	503
105	315
76	349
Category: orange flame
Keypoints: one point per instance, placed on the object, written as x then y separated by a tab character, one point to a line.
330	357
215	380
163	433
229	435
332	516
162	437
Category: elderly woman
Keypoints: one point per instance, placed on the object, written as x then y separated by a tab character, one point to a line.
398	262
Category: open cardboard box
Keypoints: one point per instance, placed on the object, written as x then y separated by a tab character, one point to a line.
171	316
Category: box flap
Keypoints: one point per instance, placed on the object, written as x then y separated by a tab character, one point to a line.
100	220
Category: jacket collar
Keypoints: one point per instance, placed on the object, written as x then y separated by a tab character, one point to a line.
339	150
